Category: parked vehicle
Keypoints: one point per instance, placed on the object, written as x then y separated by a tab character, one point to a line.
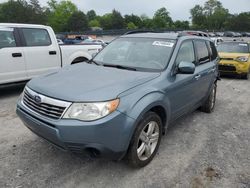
217	40
234	58
246	34
219	34
77	39
123	101
211	34
59	41
229	34
32	50
196	33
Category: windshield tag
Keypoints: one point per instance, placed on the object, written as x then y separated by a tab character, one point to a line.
163	43
241	44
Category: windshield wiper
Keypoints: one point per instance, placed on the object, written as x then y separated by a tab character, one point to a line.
120	67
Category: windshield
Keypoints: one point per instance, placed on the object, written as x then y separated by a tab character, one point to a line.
139	53
233	47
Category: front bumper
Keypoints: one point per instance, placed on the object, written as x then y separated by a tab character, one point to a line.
108	137
233	67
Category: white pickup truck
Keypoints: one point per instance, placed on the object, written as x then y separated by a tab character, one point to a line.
28	50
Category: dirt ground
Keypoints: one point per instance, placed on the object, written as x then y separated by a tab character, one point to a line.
199	150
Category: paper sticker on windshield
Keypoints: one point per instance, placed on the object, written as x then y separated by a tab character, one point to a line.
242	44
163	43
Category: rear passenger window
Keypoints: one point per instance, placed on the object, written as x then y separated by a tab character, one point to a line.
213	51
36	37
7	38
202	52
186	53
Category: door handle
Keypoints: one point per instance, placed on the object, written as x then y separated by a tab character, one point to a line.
52	52
197	77
17	55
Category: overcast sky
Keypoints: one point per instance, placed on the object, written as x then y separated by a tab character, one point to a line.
179	9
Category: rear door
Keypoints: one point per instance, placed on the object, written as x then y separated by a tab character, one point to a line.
42	54
206	63
12	64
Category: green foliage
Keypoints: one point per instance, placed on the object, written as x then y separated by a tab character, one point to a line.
77	22
91	15
60	13
131	25
162	19
94	23
64	16
133	19
112	20
212	16
181	24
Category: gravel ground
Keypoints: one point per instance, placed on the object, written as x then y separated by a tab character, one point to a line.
199	150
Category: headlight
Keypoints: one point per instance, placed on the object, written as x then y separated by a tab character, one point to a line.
242	59
91	111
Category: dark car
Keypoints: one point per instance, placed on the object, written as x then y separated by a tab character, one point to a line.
229	34
122	101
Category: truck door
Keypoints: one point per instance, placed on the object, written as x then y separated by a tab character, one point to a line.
12	64
42	54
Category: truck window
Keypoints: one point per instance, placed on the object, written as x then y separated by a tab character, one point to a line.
36	37
186	53
7	38
202	52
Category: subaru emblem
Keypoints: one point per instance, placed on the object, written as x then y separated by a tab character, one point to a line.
38	99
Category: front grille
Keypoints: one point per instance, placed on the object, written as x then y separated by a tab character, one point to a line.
47	107
226	68
227	58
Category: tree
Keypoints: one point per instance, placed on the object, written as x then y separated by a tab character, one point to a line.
112	20
198	18
181	24
60	14
136	20
131	25
162	19
77	22
94	23
91	15
38	13
147	23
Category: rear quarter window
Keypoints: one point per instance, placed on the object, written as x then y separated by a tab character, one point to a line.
202	52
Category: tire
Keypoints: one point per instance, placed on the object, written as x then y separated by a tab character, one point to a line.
145	141
209	104
245	76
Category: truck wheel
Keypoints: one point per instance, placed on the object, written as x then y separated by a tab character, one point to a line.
209	104
145	141
79	60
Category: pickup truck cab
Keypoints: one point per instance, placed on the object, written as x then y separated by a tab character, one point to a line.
122	101
28	50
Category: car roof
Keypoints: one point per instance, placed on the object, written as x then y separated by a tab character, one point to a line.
173	36
23	25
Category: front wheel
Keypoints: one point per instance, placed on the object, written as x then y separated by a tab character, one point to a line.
209	104
145	141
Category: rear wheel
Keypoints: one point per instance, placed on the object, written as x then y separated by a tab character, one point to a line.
145	141
209	104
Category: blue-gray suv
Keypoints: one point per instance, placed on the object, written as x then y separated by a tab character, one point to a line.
121	102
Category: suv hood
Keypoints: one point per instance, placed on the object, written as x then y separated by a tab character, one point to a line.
88	82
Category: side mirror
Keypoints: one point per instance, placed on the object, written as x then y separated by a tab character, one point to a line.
186	67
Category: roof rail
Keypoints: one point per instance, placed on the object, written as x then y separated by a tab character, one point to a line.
139	31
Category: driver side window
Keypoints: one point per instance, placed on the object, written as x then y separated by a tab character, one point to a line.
7	38
186	53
